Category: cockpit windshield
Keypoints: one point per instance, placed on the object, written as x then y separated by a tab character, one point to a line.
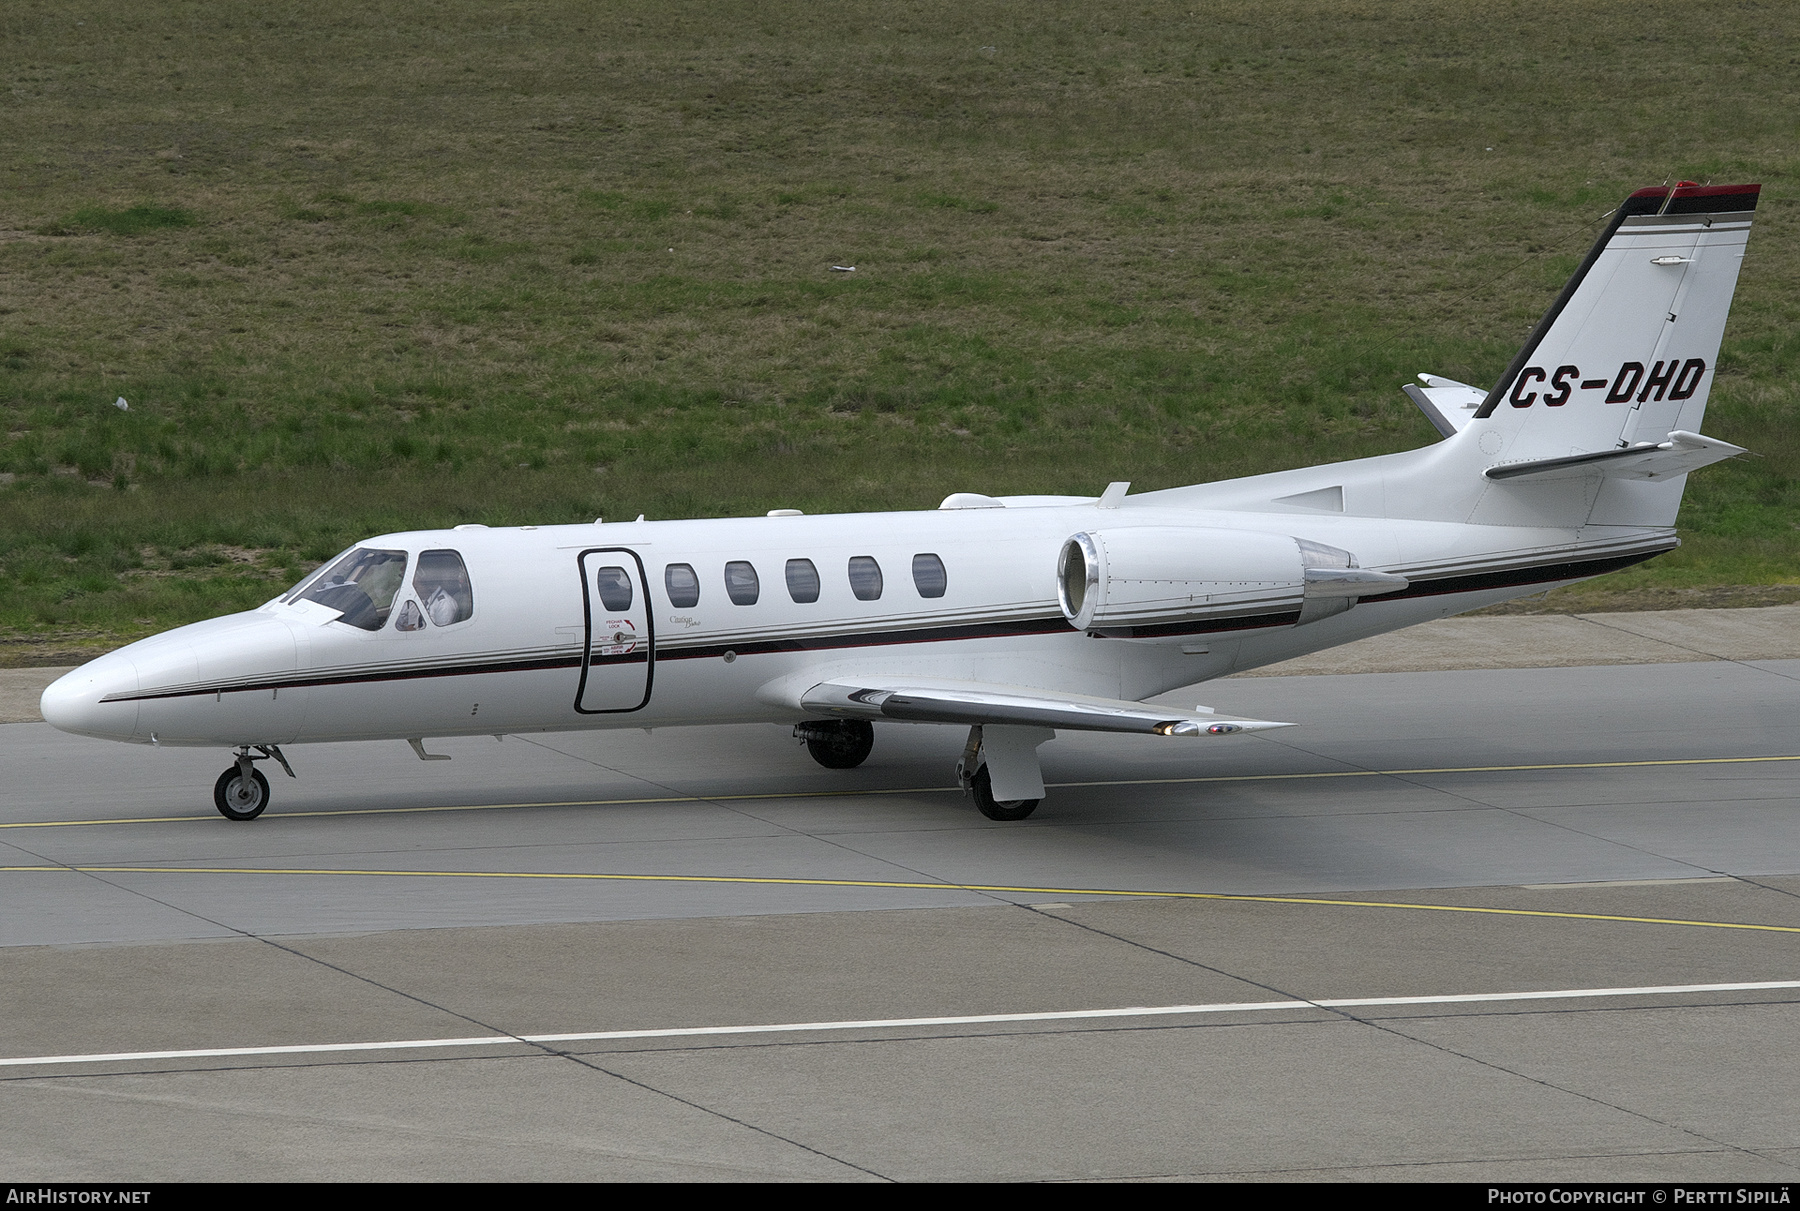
362	584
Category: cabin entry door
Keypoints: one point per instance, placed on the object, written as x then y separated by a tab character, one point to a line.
618	664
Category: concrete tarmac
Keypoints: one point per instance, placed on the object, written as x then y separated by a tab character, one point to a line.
1422	835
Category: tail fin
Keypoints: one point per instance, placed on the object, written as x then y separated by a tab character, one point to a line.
1625	356
1626	353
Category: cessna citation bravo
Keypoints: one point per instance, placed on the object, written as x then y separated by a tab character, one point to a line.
1015	616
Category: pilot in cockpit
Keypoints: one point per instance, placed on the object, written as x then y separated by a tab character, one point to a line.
442	583
364	583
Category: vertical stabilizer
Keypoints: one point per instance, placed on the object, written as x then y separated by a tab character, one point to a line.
1626	354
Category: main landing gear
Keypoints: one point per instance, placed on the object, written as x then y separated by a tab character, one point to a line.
999	767
242	792
837	743
981	785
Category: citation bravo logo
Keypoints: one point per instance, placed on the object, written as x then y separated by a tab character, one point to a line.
1680	1196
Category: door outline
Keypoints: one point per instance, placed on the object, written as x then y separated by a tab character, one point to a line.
587	639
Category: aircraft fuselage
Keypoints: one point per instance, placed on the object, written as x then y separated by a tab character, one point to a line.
541	650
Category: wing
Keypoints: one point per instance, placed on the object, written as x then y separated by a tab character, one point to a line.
933	701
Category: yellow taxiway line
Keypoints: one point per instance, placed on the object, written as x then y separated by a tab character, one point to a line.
666	800
884	884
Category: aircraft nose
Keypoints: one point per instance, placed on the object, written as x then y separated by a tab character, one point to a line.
78	701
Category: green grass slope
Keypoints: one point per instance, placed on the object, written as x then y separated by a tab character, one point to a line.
389	264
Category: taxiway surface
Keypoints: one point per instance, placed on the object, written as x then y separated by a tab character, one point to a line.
1421	835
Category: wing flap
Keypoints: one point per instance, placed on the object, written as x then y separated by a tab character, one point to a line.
977	702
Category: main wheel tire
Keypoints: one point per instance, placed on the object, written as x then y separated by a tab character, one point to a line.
240	800
841	743
998	809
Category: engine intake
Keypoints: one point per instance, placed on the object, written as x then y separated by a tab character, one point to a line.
1150	580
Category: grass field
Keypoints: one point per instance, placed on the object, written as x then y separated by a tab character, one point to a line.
380	265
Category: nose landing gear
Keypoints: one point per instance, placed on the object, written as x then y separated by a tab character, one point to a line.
242	792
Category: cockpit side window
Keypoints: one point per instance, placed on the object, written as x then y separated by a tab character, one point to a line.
362	584
442	583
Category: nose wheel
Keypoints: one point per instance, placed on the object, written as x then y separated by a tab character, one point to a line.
242	792
238	797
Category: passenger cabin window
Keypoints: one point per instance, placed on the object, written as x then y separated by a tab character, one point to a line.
615	589
865	577
682	585
362	584
803	581
740	583
928	575
442	583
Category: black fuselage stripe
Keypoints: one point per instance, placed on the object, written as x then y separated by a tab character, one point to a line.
1441	586
874	639
1547	573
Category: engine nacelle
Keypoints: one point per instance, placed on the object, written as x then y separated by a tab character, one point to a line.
1149	580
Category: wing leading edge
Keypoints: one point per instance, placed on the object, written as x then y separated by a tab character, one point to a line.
972	702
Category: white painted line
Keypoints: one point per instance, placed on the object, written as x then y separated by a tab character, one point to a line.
980	1019
1649	990
1628	883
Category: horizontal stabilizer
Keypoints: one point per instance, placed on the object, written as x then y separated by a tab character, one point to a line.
921	701
1683	452
1446	403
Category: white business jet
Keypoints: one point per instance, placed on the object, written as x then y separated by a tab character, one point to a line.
1016	616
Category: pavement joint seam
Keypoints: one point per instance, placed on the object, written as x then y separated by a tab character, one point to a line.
1406	1165
382	1123
1381	1025
1682	646
1780	891
416	998
784	829
1546	1083
593	1066
1464	796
